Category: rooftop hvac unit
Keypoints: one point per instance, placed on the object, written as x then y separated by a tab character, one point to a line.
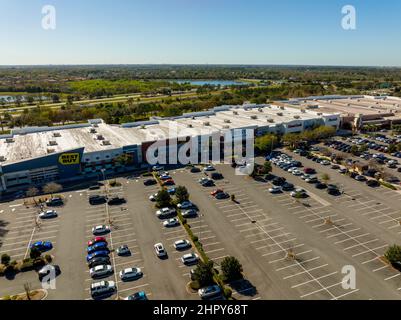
260	110
254	117
280	114
106	142
319	114
297	117
206	123
235	112
303	110
56	134
92	130
226	127
282	108
227	121
52	143
143	126
99	137
49	150
270	120
10	140
2	158
95	125
190	125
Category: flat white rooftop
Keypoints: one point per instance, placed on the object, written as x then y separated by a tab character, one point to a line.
37	142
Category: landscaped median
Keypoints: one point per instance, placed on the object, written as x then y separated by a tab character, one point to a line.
9	268
205	273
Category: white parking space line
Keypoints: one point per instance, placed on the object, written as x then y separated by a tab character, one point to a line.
312	280
305	271
297	264
361	244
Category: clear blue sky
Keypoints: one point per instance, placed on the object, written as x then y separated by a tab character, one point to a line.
201	31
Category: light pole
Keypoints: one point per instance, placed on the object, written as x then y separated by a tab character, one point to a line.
106	194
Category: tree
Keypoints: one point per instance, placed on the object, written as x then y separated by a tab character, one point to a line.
354	149
203	273
52	188
27	289
163	198
5	259
266	142
325	177
267	167
393	254
392	148
231	268
35	253
181	194
32	192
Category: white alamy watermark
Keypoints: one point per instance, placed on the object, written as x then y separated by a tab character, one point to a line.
349	280
348	21
49	17
49	280
183	147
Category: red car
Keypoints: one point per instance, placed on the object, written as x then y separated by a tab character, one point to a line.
309	171
96	240
169	182
213	193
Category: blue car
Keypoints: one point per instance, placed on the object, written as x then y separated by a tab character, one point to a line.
42	246
96	254
171	191
99	246
141	295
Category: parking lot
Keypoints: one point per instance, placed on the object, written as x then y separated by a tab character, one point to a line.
289	248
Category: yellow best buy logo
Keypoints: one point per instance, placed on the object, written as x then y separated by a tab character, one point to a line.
69	158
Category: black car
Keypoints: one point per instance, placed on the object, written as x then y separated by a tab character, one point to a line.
97	199
116	201
150	182
195	170
98	261
46	271
216	176
94	187
372	183
320	185
222	195
333	190
287	186
208	183
278	181
55	202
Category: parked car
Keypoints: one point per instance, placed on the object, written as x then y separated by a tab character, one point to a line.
168	182
116	201
96	240
216	176
123	250
299	193
48	214
209	168
101	229
312	180
130	274
96	254
102	288
189	213
214	192
360	178
185	205
157	168
149	182
171	223
97	261
287	186
320	185
195	170
101	271
209	292
182	244
165	212
333	190
278	181
42	246
275	189
309	171
153	197
190	258
160	251
208	183
97	199
94	187
55	202
99	246
222	195
372	183
137	296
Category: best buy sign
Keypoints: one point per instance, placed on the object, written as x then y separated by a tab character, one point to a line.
69	159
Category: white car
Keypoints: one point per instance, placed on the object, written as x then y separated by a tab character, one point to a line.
130	274
100	271
182	244
171	223
301	192
325	162
160	251
190	258
275	189
153	197
165	212
102	288
48	214
189	213
297	172
209	168
102	229
185	205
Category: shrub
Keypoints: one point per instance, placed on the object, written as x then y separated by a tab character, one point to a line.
388	185
5	259
9	269
231	268
40	262
48	258
147	174
393	254
194	285
227	292
27	266
2	267
35	253
6	298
